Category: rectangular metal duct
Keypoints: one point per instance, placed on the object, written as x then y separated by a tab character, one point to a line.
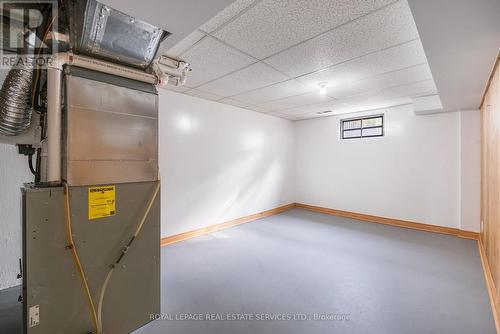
111	129
103	32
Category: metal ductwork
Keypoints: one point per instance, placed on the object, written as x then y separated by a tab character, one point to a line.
99	31
15	99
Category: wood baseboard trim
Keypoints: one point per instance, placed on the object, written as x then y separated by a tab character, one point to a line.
490	285
217	227
468	234
391	221
341	213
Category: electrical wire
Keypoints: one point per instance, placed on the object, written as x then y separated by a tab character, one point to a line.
76	259
35	80
38	165
124	251
43	136
30	163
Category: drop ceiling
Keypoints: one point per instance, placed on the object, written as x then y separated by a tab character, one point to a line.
269	56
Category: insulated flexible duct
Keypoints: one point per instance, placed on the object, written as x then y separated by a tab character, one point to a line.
15	96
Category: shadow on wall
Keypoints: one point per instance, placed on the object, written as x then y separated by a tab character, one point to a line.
254	177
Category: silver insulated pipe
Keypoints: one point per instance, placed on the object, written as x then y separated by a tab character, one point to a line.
15	97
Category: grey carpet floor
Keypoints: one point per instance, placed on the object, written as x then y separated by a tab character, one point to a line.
285	271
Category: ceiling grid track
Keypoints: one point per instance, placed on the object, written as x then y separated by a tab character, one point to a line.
294	91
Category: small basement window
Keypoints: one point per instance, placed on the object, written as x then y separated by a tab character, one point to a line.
362	127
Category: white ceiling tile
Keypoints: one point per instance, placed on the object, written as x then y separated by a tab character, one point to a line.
274	92
203	95
384	28
393	96
308	116
277	114
387	80
211	59
379	103
315	108
316	115
178	89
394	58
185	44
250	78
226	15
412	90
271	26
295	101
257	108
233	103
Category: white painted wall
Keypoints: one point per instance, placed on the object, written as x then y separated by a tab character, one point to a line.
14	172
220	162
470	168
413	173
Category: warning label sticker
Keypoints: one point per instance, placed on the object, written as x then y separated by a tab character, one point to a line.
102	202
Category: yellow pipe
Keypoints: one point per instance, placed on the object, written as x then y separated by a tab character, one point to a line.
76	259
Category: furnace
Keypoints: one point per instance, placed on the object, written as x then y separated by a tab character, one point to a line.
91	219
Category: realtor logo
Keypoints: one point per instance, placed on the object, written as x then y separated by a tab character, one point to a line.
25	27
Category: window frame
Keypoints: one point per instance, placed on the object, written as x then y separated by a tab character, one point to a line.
361	118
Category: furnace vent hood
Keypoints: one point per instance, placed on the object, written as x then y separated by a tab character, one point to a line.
103	32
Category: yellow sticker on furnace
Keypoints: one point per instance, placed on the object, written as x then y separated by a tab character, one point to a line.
102	202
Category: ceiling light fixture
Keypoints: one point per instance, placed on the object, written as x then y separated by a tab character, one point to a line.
322	88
